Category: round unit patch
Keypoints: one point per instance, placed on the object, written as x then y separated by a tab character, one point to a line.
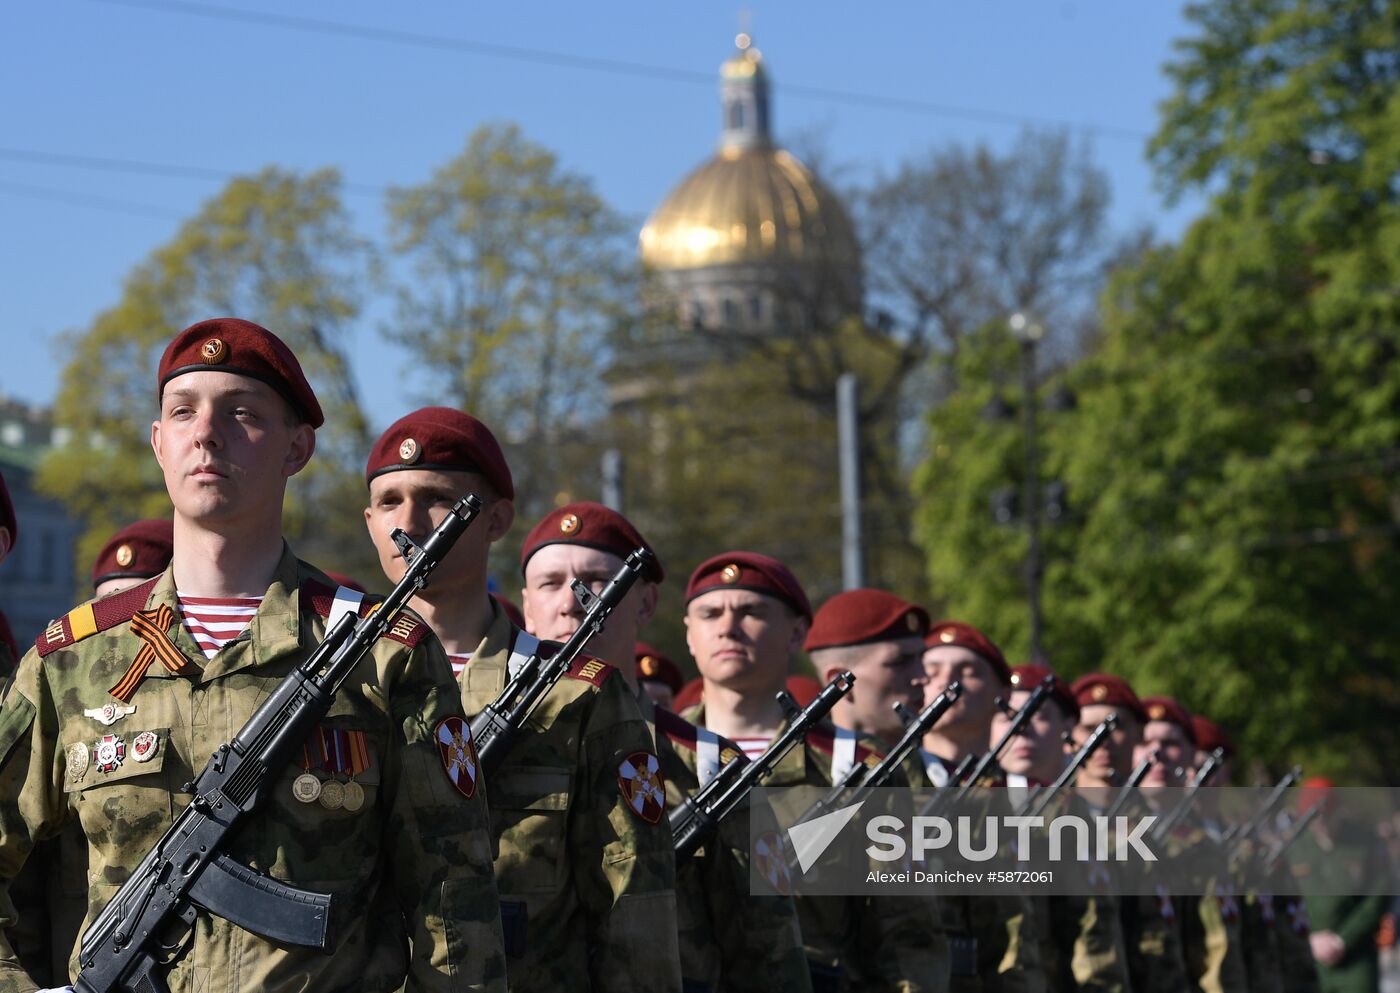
770	859
77	756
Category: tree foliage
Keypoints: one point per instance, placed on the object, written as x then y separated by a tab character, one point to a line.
1231	461
515	272
276	248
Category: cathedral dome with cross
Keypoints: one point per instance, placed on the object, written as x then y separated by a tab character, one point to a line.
750	221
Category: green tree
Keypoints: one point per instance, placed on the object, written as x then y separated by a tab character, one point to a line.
276	248
1231	458
515	272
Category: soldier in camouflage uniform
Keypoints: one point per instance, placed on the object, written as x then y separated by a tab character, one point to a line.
745	615
992	938
1208	921
584	864
729	940
118	704
1081	935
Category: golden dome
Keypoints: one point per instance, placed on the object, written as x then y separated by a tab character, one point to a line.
746	206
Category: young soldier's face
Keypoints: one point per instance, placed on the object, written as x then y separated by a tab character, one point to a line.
1175	752
1112	761
552	612
887	672
741	639
227	448
980	685
417	500
1039	750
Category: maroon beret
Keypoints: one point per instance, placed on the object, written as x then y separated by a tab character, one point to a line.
1108	690
444	439
1027	677
512	611
653	666
1210	736
137	551
7	511
593	526
749	571
1164	708
804	689
856	617
227	344
967	636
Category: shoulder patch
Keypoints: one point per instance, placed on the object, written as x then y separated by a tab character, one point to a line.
407	629
94	616
677	730
590	670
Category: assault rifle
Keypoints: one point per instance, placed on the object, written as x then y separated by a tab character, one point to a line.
966	775
1239	835
495	728
1135	778
1164	826
697	817
1295	831
1090	746
862	779
187	870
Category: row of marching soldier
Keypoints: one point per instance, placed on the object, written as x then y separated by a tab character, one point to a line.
555	871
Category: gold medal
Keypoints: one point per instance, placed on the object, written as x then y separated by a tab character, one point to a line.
306	788
354	796
332	794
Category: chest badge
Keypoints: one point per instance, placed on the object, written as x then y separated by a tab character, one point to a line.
77	756
109	753
109	714
144	746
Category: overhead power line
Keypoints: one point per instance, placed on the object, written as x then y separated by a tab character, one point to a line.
590	63
29	192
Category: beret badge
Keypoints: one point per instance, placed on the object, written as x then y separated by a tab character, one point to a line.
214	351
946	636
1099	693
569	523
1157	712
730	573
409	450
648	665
125	555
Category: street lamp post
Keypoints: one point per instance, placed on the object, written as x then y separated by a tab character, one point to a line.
1028	332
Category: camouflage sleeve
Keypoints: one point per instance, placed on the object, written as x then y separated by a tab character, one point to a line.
759	939
440	860
623	858
1099	958
31	796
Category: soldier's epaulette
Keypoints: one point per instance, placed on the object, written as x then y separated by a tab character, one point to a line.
590	670
407	629
94	616
824	741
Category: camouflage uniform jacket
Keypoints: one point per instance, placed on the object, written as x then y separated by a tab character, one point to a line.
417	851
1081	935
1209	918
866	943
991	937
587	880
730	940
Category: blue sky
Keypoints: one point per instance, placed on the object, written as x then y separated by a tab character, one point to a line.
393	92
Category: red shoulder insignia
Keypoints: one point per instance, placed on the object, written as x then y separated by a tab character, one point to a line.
677	730
867	755
407	629
590	670
94	616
